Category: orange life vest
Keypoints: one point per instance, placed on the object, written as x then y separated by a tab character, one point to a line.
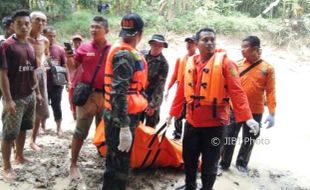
181	68
212	89
135	100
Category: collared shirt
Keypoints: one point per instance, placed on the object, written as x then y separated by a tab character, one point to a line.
88	54
257	82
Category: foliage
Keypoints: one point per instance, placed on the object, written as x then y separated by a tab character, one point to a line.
227	17
8	6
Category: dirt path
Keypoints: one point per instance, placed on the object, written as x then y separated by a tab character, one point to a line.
279	160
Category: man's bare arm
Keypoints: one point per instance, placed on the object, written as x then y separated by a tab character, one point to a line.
9	104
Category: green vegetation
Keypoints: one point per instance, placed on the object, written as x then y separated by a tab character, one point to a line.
280	20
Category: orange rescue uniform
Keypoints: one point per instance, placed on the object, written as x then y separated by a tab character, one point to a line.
178	71
201	114
256	82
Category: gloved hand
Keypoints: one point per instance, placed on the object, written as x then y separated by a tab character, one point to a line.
166	95
270	121
168	121
253	125
125	139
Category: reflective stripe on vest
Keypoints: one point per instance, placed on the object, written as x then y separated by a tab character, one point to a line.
212	86
135	100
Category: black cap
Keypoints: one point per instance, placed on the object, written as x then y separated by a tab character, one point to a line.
131	24
159	38
6	22
192	38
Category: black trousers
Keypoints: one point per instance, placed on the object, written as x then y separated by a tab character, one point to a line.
54	97
230	139
196	141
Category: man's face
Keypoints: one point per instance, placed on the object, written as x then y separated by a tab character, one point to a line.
247	50
38	22
51	36
22	26
9	30
191	46
98	31
206	43
156	48
76	43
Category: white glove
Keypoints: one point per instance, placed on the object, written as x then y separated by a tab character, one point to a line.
270	121
125	139
168	121
253	125
166	95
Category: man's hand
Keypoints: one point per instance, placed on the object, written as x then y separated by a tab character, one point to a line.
39	98
253	125
10	106
69	53
125	139
68	86
270	121
149	111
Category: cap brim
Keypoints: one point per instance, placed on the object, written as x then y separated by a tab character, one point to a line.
189	39
127	33
77	38
160	41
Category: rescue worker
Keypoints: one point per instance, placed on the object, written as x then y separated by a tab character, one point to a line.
209	79
125	79
178	73
157	74
257	82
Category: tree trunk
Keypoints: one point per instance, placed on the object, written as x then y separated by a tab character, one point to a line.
270	7
162	6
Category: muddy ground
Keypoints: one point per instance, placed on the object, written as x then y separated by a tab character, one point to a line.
279	160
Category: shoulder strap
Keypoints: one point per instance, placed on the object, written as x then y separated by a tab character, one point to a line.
250	67
99	64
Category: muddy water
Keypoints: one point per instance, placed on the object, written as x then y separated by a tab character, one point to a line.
279	164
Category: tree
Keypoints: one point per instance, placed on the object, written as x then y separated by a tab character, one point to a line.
7	7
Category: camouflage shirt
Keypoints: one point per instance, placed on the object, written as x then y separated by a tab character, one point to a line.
123	70
157	74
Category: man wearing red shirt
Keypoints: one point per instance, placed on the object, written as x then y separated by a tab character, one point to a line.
209	79
57	57
18	82
87	56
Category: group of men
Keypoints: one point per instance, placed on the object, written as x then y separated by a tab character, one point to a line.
127	88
